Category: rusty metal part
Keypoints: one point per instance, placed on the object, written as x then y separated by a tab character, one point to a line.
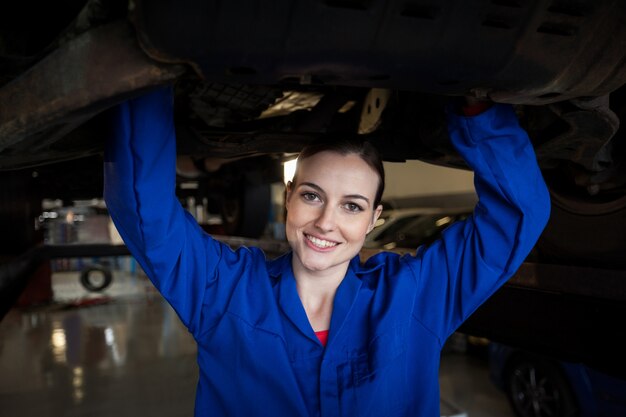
77	81
587	141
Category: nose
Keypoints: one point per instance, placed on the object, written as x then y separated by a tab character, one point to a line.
326	219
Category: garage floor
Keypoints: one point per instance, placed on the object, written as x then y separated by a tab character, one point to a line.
124	353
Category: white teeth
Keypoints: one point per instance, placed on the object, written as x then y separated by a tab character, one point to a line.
320	243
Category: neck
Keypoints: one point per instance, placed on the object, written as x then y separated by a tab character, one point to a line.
316	290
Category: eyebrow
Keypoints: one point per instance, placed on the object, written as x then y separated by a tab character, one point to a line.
318	188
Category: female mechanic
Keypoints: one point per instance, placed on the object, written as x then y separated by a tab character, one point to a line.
316	332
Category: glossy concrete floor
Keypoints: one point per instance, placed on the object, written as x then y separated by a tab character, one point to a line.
125	353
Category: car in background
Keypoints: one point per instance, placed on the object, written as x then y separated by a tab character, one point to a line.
539	386
411	228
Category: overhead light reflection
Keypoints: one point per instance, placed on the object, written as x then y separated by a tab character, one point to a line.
110	339
58	341
77	383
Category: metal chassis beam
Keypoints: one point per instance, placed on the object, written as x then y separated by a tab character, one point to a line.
78	80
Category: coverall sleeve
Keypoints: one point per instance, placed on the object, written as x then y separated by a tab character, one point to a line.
139	189
475	257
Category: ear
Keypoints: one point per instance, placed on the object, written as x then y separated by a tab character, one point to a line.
377	212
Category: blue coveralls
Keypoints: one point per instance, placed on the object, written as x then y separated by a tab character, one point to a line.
257	352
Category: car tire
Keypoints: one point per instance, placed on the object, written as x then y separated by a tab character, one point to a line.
96	278
536	388
245	210
585	232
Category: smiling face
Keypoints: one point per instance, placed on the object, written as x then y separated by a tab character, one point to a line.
330	210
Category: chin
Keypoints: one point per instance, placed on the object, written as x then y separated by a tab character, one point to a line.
315	265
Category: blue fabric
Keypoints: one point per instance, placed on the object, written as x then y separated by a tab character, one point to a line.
257	352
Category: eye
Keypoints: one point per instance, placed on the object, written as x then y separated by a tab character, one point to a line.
309	196
353	207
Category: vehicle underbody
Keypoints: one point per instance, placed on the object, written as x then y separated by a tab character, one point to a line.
255	81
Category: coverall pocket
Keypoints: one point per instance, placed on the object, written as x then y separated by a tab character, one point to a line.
379	377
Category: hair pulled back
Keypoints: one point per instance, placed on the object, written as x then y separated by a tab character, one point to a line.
363	149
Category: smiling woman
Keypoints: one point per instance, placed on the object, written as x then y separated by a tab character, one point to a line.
331	206
344	338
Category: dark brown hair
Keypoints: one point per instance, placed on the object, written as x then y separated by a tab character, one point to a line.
365	150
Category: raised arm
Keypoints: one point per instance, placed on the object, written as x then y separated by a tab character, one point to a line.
475	257
140	180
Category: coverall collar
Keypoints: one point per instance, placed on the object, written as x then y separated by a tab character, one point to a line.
281	272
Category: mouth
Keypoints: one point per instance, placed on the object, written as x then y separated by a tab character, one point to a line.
320	243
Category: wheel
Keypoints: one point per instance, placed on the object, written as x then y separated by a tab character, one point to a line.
96	278
245	208
536	388
584	231
587	224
